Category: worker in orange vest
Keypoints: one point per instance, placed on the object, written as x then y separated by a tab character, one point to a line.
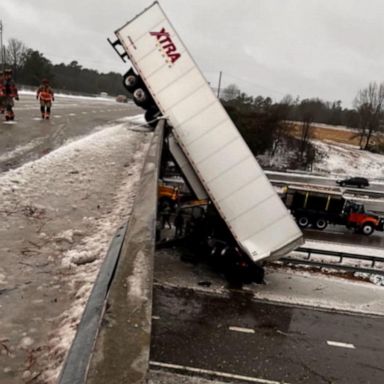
46	96
9	91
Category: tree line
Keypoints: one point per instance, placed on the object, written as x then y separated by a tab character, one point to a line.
266	124
263	122
31	66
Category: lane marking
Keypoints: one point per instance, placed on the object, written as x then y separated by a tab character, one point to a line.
156	317
243	330
72	114
341	345
214	373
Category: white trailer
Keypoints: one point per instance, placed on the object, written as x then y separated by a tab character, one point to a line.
222	161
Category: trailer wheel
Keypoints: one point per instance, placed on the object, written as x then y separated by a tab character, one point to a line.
367	229
303	221
130	82
321	224
140	97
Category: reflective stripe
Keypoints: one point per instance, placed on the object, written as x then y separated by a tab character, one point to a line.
45	94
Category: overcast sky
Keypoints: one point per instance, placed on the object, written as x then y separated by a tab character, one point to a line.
307	48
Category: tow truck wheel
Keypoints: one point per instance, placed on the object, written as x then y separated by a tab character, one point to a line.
367	229
321	224
303	221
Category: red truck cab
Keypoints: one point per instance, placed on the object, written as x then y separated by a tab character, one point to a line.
364	222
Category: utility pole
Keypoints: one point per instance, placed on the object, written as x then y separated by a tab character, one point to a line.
218	88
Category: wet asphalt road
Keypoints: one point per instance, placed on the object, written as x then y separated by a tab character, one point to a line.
257	340
29	137
323	181
341	235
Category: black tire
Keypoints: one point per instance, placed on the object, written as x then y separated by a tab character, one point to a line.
131	81
140	97
321	224
367	229
303	221
151	116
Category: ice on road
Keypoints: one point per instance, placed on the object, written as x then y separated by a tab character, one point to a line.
58	215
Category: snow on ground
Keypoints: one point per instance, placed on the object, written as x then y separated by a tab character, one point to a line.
100	98
347	248
349	160
335	160
58	215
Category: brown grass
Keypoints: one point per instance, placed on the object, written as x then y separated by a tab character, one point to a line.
328	134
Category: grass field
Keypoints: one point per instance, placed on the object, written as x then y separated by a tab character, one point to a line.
322	133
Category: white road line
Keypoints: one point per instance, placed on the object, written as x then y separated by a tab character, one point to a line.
339	344
72	114
244	330
84	113
214	373
156	317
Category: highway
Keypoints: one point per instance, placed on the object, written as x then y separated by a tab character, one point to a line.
252	341
234	334
29	137
281	177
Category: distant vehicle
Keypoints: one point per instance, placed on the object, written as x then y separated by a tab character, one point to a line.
122	99
103	94
354	182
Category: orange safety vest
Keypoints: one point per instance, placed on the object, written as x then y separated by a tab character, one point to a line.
45	93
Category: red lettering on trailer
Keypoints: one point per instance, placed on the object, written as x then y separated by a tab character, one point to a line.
167	44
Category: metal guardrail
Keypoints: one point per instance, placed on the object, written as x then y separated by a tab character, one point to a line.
339	265
119	266
76	364
121	353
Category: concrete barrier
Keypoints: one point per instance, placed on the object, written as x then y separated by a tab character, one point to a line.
113	339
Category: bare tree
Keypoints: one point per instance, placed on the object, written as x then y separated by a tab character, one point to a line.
307	111
281	110
15	54
230	93
369	104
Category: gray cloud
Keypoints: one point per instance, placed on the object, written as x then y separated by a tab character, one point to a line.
310	48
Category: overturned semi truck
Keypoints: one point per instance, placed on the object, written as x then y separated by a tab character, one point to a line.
204	142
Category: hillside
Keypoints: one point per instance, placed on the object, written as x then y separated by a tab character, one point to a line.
338	154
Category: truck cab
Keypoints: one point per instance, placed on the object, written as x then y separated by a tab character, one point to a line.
362	221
